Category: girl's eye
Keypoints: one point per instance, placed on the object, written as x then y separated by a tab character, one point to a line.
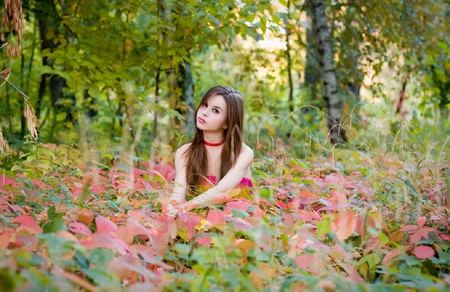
215	111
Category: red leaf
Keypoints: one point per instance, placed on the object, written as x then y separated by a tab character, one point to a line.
337	197
79	228
138	172
344	225
333	178
236	205
417	235
204	241
215	217
335	207
100	240
423	252
27	222
281	205
392	254
421	221
5	238
104	225
311	263
191	219
135	228
307	194
5	180
149	256
408	228
444	236
97	188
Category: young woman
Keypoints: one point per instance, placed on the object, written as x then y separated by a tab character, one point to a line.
216	156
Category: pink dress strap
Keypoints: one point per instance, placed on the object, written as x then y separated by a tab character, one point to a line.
211	180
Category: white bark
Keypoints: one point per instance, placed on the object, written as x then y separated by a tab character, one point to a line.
329	83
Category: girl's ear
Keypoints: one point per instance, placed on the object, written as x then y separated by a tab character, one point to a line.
225	127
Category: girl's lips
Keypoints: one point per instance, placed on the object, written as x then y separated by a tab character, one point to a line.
200	120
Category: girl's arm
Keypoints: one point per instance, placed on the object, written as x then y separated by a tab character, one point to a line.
179	189
228	182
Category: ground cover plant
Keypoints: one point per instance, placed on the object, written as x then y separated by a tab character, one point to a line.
347	219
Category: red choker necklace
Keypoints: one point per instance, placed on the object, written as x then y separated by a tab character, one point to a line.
213	144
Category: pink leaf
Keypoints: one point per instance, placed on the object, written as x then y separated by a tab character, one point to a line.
215	217
444	236
392	254
79	228
333	178
344	225
135	228
311	263
5	180
353	274
97	188
27	222
421	221
100	240
104	225
149	256
408	228
237	205
423	252
139	172
335	207
337	197
204	241
191	219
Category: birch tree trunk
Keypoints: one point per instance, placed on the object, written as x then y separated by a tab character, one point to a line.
329	83
187	94
312	72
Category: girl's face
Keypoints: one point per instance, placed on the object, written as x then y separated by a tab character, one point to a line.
212	115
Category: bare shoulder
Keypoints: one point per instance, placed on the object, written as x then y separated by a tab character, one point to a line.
180	151
246	151
179	154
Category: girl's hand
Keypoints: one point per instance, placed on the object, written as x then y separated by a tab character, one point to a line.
186	207
172	210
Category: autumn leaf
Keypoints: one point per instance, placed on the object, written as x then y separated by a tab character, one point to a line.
421	221
311	263
423	252
392	254
79	228
215	217
104	225
27	222
344	225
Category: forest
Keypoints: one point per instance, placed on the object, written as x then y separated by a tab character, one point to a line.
347	110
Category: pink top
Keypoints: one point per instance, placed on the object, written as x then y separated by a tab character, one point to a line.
245	182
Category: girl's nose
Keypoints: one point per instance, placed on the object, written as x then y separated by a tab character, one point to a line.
205	112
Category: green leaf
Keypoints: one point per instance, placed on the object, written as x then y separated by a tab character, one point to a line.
55	225
239	213
101	256
8	280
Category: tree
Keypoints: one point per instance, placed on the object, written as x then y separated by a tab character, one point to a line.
12	19
329	83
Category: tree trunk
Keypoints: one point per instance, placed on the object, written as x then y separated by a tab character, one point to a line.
187	94
45	44
329	83
312	74
289	59
401	98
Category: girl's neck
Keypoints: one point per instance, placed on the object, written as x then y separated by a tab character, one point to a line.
213	144
213	140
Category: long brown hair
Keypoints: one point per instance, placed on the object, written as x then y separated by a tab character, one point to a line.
196	160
